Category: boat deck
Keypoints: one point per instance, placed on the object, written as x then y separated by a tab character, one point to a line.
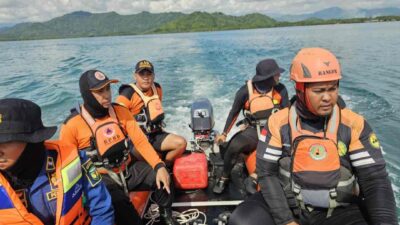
206	201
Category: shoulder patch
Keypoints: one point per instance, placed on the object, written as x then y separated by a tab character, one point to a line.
342	148
373	140
91	173
51	160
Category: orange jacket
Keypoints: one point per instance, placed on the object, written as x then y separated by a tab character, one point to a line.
131	100
358	149
241	102
69	208
76	132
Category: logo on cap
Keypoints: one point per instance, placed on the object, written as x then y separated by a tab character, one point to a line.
327	63
144	64
99	75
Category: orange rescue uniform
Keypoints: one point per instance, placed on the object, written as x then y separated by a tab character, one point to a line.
132	100
76	131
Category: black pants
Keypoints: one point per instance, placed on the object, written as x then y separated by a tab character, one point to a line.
254	211
157	138
243	142
142	178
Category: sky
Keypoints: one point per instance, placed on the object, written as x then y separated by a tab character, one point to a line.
16	11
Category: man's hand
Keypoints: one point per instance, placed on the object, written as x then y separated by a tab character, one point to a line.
162	176
220	138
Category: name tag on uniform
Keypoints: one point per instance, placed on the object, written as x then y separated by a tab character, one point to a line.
51	195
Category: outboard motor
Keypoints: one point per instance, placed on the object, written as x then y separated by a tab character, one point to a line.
191	169
202	123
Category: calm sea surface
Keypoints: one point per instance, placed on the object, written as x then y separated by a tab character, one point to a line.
214	65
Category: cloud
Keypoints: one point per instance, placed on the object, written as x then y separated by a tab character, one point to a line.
15	11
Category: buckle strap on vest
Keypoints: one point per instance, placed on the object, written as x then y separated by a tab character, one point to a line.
297	192
118	177
284	172
346	182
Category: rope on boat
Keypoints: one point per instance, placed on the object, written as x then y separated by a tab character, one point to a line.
193	216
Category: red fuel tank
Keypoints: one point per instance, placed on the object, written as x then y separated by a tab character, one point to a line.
191	171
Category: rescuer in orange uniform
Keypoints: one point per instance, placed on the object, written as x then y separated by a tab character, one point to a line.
259	98
44	182
108	134
143	99
319	163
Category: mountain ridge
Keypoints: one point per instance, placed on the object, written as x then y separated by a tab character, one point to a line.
87	24
339	13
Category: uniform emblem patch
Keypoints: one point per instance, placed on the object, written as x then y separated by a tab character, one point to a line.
318	152
22	196
342	148
52	180
50	165
373	140
51	195
91	173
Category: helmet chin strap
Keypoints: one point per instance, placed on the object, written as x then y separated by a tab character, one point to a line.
303	106
308	104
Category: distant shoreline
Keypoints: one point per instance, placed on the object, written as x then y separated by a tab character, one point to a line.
176	26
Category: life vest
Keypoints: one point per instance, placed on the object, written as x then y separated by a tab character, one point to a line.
150	119
313	172
110	145
261	106
70	208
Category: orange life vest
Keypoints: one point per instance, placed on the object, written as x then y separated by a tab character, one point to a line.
261	106
109	141
70	209
153	110
313	171
316	161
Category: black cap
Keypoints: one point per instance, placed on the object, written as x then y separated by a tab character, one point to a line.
20	120
144	65
95	80
265	69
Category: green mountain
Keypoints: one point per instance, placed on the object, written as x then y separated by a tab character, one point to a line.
202	21
85	24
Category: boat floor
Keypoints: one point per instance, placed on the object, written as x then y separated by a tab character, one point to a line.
206	201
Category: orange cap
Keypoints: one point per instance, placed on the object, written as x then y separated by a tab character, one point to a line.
315	65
